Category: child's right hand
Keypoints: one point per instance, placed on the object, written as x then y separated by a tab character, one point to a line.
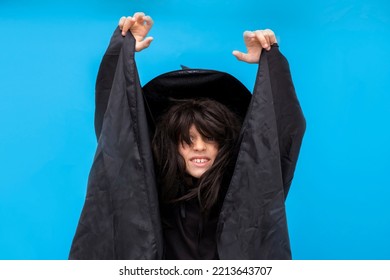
139	25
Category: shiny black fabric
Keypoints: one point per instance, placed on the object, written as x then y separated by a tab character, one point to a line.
121	219
252	222
189	235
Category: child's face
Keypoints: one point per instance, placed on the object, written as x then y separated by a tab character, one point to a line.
200	155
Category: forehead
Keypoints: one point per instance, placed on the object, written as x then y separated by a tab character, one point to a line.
193	129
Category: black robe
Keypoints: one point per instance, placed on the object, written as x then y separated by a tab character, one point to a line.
120	218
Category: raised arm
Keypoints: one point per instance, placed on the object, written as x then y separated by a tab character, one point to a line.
289	117
139	25
120	218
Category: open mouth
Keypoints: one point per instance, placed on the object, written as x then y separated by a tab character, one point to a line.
200	161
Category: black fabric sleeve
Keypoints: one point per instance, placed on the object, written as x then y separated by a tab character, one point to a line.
104	80
290	121
120	218
252	223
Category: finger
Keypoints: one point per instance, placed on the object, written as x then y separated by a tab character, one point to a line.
139	16
242	56
271	35
129	22
148	22
264	42
238	55
121	22
143	44
248	36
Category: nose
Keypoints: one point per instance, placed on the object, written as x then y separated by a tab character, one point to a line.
199	145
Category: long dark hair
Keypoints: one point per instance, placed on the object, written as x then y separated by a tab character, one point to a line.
211	119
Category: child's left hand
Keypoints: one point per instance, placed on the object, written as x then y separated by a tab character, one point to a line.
255	42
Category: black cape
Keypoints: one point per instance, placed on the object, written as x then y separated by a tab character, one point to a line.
120	218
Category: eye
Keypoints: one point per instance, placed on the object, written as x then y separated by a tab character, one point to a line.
210	139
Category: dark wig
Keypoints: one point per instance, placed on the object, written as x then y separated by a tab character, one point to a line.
211	119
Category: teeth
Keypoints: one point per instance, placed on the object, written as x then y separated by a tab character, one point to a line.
200	160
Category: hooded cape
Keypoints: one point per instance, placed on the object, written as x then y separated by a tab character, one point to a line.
120	218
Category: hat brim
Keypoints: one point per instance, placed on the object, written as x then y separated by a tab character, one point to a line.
170	88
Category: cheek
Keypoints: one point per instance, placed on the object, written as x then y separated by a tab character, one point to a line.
180	150
215	151
183	150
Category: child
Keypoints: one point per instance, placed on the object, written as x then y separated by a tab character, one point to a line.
194	148
223	166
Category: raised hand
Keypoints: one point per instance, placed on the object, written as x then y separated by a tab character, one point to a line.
255	42
139	25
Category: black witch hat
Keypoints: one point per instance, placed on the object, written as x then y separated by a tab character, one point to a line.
170	88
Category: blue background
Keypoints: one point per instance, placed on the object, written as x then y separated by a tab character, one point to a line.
338	207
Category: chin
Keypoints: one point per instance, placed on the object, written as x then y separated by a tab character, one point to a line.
197	174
